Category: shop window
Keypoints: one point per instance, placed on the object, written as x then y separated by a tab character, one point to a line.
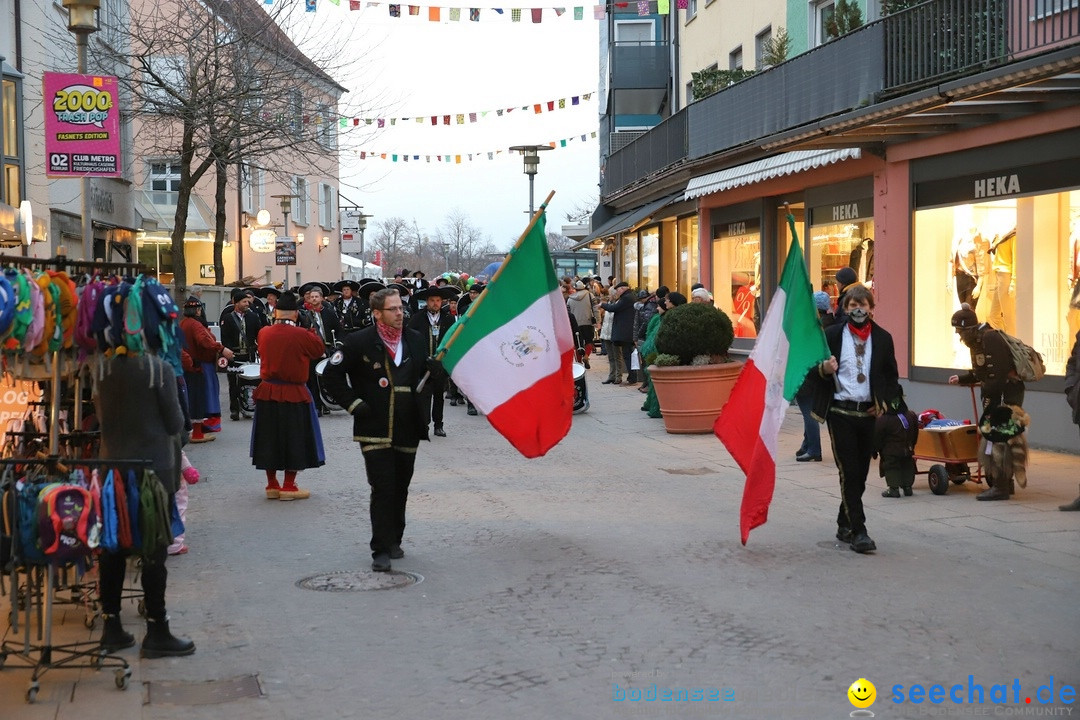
1015	261
736	281
11	131
688	258
841	235
650	258
630	264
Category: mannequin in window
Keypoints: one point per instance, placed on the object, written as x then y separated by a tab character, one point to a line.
861	260
1000	286
1074	277
963	265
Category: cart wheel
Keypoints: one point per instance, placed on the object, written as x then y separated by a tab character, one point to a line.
958	472
123	678
939	479
31	692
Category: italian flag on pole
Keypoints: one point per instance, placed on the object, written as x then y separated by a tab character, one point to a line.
512	352
791	341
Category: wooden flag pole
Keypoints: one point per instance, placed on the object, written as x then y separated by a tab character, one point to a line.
480	299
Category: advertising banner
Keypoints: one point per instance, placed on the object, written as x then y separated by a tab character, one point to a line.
82	126
285	252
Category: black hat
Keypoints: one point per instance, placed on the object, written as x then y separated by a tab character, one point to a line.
623	284
193	301
402	289
846	276
445	293
339	286
238	294
287	302
314	285
965	318
477	286
404	272
267	291
419	274
368	287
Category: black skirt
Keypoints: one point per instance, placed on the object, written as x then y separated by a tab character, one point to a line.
286	436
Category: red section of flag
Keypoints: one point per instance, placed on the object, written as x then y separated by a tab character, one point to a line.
536	419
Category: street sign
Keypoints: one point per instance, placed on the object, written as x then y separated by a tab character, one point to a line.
350	243
82	126
285	252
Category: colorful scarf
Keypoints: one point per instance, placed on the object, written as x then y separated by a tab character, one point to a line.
391	336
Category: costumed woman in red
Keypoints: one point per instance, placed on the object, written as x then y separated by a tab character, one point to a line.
285	434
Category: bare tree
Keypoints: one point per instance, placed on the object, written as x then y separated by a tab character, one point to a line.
219	83
395	239
558	241
464	240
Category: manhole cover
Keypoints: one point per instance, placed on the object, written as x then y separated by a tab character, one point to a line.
357	580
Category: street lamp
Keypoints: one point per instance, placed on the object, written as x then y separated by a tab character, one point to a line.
446	254
532	164
286	208
361	225
82	21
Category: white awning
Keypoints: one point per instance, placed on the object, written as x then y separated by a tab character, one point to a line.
776	166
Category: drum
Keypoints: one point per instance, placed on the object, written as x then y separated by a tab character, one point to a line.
327	399
581	390
250	371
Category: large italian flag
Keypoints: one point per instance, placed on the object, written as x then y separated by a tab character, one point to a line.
791	341
512	353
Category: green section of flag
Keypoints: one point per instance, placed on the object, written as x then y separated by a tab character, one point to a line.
806	338
527	274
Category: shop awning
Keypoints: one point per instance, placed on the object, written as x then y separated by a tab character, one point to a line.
773	167
628	219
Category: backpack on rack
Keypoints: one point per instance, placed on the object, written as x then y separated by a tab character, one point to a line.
1026	359
68	524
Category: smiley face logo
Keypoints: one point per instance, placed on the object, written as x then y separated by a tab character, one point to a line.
862	693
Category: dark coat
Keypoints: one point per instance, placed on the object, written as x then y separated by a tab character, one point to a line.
622	326
422	325
891	438
1072	380
884	375
331	324
353	377
231	333
991	363
139	411
353	317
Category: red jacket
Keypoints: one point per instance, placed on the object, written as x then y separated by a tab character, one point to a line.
200	342
286	352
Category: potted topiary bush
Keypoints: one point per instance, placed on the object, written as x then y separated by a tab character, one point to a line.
692	372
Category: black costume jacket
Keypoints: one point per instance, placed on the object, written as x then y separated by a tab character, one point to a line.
884	375
421	324
361	373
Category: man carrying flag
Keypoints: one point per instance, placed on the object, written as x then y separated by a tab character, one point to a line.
512	353
789	344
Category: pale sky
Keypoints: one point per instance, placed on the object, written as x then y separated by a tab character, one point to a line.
413	67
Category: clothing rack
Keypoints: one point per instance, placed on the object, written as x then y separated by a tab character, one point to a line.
62	263
39	591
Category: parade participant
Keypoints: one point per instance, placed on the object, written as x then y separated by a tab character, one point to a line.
239	330
463	307
138	408
406	297
434	323
993	368
375	375
363	296
285	434
418	280
201	380
324	321
853	386
270	295
349	310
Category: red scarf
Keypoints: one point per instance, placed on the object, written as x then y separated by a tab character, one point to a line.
391	336
862	333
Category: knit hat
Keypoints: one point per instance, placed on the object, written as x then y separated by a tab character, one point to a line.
822	301
846	276
287	302
702	293
579	285
965	317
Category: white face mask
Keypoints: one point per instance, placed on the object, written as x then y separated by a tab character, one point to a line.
858	315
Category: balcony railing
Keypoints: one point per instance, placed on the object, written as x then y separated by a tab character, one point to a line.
640	65
901	53
948	38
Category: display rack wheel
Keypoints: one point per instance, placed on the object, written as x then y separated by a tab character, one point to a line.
939	479
141	607
123	678
31	692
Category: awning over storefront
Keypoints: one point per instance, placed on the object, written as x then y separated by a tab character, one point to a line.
628	219
773	167
157	210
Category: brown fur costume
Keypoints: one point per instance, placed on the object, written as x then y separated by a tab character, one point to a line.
1008	456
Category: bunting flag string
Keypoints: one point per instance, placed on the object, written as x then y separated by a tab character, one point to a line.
436	14
465	117
458	158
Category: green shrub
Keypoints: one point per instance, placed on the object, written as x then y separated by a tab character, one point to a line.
694	329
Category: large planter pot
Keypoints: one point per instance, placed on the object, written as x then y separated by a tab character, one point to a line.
691	396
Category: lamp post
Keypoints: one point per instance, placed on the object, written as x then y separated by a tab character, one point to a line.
532	164
82	21
286	208
446	254
361	225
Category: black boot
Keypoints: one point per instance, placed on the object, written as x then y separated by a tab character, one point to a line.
994	493
159	642
113	636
